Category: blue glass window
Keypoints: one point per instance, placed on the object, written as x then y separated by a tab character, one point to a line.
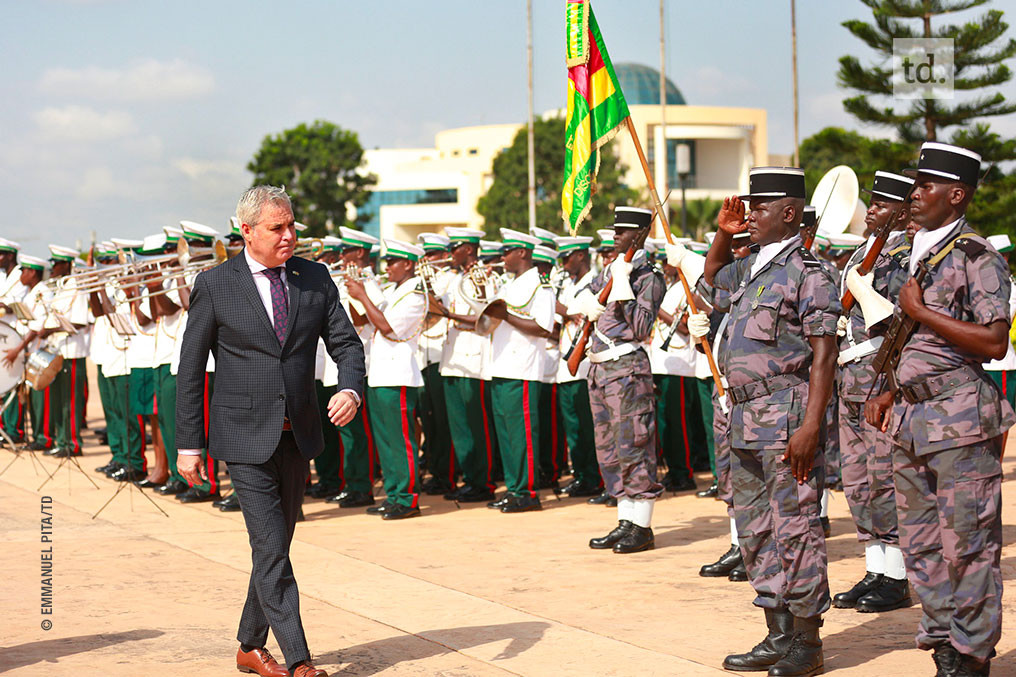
369	215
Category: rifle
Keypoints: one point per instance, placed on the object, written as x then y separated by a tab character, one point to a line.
881	236
578	349
900	330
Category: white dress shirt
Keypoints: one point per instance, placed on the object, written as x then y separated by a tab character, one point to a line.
925	241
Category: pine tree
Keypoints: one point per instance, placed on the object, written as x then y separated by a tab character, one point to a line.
979	67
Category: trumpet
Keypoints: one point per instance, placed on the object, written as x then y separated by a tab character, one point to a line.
130	275
312	246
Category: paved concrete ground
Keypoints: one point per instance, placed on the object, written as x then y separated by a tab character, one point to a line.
455	592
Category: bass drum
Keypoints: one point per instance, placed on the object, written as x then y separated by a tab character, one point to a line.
42	368
10	376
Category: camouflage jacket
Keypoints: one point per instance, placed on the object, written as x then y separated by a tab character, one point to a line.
890	274
630	321
971	284
771	317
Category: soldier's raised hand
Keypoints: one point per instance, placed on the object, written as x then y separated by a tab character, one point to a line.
731	217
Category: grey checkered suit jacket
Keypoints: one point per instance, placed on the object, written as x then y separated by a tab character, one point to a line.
257	381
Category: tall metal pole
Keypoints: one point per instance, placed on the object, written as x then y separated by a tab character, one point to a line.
662	150
793	41
530	145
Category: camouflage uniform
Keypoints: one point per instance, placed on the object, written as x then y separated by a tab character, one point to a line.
621	391
771	317
831	430
947	456
866	451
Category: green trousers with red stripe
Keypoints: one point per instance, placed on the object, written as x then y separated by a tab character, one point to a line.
14	418
471	438
577	421
40	414
123	431
66	401
553	449
516	407
434	420
679	423
165	405
356	440
392	409
328	463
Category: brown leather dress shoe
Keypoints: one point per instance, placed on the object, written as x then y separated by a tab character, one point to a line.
305	669
259	661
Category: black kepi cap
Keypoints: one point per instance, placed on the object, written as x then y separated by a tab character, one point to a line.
947	161
632	217
775	182
890	186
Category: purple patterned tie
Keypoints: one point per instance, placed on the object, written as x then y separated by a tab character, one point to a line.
280	305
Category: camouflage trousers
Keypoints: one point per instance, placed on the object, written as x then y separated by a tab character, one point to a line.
721	440
831	442
624	418
866	463
950	511
779	531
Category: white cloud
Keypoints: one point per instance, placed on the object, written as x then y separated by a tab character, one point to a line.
203	170
146	80
98	183
80	123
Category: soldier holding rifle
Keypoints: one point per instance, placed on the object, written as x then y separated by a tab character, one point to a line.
947	417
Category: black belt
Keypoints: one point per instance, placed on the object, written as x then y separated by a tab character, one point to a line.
938	385
765	386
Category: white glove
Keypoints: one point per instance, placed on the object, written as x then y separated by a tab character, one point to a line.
698	325
675	253
586	304
620	289
841	325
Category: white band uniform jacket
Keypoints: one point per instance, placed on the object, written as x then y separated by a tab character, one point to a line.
394	363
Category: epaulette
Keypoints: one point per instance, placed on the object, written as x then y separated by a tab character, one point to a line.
809	258
972	248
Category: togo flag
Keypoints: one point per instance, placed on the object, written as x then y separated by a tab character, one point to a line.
596	109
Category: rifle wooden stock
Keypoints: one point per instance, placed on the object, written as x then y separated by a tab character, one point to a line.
899	332
881	237
579	350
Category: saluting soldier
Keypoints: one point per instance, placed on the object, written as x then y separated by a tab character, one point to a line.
866	452
393	377
780	362
948	417
621	383
518	343
573	390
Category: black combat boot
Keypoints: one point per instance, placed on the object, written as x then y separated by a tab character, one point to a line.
636	539
805	655
890	594
608	541
945	657
727	562
848	599
771	649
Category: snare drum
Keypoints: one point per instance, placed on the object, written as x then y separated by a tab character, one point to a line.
42	367
10	376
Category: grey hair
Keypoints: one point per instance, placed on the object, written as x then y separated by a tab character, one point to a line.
248	209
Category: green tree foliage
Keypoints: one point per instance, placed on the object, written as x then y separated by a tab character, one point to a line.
702	215
321	167
979	66
506	204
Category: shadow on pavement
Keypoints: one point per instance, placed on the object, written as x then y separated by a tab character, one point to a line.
48	650
374	657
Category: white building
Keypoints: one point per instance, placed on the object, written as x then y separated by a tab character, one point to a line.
426	189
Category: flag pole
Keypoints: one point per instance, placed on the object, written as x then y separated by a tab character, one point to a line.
793	40
670	239
530	145
662	150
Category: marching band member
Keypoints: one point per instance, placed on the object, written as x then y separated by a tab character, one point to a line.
67	392
437	450
37	298
518	343
573	391
393	377
465	365
553	449
358	446
11	289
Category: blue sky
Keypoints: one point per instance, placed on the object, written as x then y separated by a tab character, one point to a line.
121	116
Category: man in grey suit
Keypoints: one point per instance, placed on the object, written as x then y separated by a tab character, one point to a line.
260	315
